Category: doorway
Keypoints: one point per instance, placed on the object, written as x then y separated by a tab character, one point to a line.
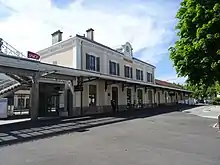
128	97
115	96
140	98
158	97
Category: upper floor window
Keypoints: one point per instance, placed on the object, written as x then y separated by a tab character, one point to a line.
149	77
114	68
139	74
128	71
92	63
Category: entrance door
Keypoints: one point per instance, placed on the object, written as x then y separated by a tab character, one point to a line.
158	98
115	96
140	98
128	97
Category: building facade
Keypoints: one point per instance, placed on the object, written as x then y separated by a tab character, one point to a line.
84	53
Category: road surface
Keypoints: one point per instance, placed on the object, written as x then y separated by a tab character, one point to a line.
176	138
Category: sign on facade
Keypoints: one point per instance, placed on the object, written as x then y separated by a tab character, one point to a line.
78	88
33	55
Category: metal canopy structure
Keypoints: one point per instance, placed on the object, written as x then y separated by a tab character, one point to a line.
28	67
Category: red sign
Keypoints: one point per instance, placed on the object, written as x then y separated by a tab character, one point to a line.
33	55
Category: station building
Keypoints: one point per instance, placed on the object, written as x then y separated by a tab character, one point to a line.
130	82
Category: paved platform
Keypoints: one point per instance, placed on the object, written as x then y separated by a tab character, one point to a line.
3	122
208	111
165	139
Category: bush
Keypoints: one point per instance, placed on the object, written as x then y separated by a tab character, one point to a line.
216	101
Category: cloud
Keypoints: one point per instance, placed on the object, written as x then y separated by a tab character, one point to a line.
147	24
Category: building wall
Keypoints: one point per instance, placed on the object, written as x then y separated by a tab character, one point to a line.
103	98
62	53
85	47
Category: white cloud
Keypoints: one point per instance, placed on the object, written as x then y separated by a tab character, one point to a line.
31	23
147	27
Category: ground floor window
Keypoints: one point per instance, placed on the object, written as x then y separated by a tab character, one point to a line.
140	97
20	102
129	96
92	95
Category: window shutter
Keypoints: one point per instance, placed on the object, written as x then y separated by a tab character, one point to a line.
87	61
131	70
125	71
118	69
98	64
110	67
142	76
137	74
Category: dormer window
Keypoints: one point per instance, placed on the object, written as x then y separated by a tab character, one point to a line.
127	49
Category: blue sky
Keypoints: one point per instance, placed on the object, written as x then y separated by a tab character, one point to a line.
147	24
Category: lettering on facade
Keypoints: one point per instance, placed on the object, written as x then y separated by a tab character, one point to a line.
127	60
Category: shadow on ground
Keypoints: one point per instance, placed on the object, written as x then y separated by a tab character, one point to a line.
27	130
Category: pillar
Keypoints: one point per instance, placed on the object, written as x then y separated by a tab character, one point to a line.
34	98
69	98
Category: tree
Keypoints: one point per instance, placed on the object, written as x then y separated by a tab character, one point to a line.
201	91
196	54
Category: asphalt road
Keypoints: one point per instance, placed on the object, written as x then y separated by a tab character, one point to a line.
176	138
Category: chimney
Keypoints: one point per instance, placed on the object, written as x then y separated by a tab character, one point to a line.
56	36
90	34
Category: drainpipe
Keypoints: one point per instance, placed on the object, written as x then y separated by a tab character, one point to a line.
81	79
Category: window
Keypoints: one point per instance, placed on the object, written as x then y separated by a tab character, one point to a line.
20	102
114	68
92	95
128	71
149	77
139	74
92	63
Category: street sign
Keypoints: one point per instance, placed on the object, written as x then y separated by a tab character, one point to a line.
78	88
33	55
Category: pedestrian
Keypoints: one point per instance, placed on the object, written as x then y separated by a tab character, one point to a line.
113	105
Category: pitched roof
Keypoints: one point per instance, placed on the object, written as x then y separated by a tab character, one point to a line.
107	47
167	84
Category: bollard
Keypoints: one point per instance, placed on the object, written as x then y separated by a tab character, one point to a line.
219	122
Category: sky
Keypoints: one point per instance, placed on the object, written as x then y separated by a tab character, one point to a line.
147	24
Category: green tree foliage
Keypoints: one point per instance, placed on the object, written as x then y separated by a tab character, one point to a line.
202	91
197	52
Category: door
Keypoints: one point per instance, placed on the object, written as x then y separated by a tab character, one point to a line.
115	96
158	97
128	97
140	98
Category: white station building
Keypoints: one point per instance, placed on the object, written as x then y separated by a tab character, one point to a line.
128	81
